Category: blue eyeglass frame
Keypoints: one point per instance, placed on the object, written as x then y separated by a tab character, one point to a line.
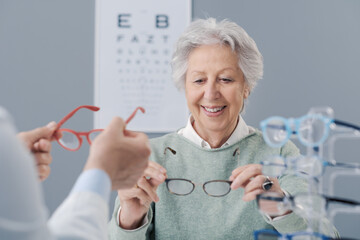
289	236
297	121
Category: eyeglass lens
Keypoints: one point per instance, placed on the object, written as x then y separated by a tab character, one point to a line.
303	204
69	140
271	204
306	166
312	129
311	166
309	205
93	135
276	131
180	187
217	188
274	166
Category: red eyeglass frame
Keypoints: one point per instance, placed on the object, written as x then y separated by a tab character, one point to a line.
87	134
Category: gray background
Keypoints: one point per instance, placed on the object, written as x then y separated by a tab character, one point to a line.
311	51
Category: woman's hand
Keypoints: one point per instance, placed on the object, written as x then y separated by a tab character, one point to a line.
251	179
135	202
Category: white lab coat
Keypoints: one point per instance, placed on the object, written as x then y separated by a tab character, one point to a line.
23	214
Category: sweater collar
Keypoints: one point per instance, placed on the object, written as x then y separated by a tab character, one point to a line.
240	132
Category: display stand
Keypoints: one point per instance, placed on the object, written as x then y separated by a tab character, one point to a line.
320	132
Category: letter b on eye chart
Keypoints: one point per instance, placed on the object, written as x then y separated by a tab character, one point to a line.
133	48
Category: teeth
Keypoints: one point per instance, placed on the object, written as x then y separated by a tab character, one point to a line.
214	109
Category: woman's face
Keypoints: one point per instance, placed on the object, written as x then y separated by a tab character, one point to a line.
215	88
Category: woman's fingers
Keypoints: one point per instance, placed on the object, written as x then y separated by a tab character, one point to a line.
157	166
135	192
255	183
155	171
238	170
252	195
143	197
244	176
148	189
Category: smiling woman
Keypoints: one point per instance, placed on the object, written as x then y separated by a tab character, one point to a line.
217	65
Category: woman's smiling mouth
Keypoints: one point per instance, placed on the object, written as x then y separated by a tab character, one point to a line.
213	111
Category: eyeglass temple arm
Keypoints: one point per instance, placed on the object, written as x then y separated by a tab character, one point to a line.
272	198
237	151
345	165
134	113
338	122
62	121
344	238
342	201
170	149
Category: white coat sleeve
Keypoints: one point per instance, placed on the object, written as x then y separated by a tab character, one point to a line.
84	213
23	213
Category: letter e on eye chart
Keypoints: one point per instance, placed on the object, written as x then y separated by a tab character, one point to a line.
134	42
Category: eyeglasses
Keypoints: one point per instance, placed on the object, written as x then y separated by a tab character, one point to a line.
71	140
183	187
267	234
311	130
306	166
304	204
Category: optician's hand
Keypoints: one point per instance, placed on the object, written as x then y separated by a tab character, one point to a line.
122	154
251	179
135	202
38	141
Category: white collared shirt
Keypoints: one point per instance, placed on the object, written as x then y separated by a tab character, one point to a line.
241	131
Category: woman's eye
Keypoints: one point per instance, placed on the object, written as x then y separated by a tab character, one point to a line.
198	81
226	79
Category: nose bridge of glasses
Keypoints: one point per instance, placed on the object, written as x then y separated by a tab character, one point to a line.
197	184
292	125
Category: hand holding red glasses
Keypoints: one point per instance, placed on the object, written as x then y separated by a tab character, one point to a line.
124	157
38	141
72	140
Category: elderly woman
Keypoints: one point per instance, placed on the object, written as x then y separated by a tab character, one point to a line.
218	65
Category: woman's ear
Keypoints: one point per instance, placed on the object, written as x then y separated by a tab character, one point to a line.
246	92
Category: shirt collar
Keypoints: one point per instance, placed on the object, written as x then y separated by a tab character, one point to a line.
241	131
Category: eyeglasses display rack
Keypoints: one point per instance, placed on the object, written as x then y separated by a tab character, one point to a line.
319	132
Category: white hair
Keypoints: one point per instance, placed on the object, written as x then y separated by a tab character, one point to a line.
207	32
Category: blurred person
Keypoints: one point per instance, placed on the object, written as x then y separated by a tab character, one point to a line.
117	159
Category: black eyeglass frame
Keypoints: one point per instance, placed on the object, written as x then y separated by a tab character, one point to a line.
194	184
236	152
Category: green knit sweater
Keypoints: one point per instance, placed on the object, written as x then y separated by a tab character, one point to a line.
199	216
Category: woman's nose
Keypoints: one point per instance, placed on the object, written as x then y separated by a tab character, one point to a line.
212	91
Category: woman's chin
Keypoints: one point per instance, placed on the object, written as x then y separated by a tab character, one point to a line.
215	126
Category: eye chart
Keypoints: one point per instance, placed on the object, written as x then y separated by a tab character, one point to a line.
133	49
